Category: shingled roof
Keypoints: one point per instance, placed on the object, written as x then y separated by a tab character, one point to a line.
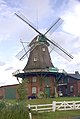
75	76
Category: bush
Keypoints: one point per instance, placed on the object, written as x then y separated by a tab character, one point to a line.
2	105
21	90
41	94
17	111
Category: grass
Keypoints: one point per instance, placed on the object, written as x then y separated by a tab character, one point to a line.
48	115
50	100
45	100
57	115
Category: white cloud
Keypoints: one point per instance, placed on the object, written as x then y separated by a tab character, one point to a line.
71	18
38	8
2	63
7	70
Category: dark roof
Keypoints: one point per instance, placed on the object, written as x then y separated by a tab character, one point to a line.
9	85
75	76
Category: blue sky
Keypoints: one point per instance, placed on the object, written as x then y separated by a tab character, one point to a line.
41	13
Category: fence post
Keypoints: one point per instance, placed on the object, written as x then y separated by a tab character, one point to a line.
74	105
36	108
54	106
29	109
64	105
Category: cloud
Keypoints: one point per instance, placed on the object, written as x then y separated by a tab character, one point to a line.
2	63
71	18
12	4
6	71
9	68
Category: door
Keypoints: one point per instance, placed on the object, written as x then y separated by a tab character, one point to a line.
10	93
47	91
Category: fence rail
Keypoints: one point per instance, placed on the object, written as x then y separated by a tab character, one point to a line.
65	105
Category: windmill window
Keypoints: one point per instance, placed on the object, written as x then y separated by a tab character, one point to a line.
33	90
43	49
35	59
34	79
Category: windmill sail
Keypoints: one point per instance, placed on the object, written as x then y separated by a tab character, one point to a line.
43	38
61	51
22	17
60	48
54	26
22	54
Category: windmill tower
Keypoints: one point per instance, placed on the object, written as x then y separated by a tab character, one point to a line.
39	57
39	70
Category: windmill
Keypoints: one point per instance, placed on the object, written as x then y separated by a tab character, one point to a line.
39	58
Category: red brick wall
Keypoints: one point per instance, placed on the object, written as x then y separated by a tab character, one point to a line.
30	85
71	82
38	87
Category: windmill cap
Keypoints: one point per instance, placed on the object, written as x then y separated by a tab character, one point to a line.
36	40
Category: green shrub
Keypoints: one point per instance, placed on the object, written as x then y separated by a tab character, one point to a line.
41	94
2	105
21	90
17	111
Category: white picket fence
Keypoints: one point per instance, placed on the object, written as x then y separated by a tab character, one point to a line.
65	105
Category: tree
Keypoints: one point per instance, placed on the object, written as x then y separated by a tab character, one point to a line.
22	92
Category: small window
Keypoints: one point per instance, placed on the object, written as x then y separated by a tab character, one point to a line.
33	90
47	81
71	89
43	49
34	79
68	80
35	59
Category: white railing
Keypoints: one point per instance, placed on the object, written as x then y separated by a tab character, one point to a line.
40	108
65	105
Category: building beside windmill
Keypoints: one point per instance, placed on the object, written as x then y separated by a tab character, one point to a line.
39	71
70	84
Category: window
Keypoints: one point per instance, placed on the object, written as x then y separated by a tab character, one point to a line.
71	89
33	90
34	79
35	59
47	81
68	80
43	49
64	80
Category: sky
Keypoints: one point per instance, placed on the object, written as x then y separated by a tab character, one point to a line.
42	13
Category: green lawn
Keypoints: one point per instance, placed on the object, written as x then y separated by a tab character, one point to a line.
46	100
50	100
52	115
57	114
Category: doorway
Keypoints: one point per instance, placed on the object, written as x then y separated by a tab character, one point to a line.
47	91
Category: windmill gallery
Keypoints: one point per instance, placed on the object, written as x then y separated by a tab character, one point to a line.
39	72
